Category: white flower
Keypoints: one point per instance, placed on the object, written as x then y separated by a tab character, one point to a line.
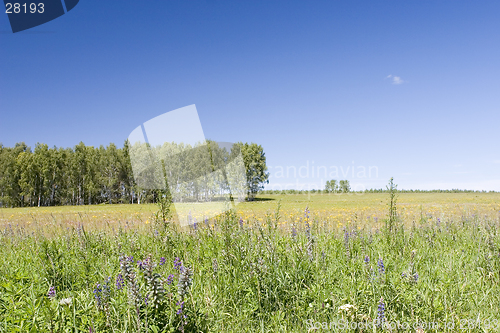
347	307
66	301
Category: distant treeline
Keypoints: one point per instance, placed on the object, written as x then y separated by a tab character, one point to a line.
428	191
293	191
88	175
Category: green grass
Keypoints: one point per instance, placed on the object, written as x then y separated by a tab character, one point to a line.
275	272
330	206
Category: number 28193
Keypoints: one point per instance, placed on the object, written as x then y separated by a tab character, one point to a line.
17	8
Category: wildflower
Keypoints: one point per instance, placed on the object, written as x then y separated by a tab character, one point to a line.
97	295
415	277
170	279
185	281
162	261
52	292
177	263
241	223
66	301
367	259
348	310
130	277
306	220
346	307
119	282
381	267
181	307
381	312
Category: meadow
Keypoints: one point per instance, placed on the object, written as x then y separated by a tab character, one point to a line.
282	263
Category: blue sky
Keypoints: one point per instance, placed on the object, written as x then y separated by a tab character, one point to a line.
408	87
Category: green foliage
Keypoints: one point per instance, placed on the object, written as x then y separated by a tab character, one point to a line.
248	277
255	166
342	186
88	175
391	221
331	186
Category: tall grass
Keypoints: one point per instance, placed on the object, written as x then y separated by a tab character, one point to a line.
228	275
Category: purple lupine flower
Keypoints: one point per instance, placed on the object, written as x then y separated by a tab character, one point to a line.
381	312
367	259
308	225
241	222
170	279
52	292
177	263
97	294
141	264
119	282
130	258
294	231
415	277
162	261
381	267
181	306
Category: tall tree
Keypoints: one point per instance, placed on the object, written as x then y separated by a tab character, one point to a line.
344	186
255	166
331	186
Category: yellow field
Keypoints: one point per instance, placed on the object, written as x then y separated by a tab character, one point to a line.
335	210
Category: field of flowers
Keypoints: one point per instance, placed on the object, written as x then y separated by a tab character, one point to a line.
293	263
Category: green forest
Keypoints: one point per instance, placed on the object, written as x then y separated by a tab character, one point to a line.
84	175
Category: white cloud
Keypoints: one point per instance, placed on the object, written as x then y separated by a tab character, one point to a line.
395	79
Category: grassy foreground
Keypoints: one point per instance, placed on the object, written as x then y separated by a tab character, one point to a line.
256	269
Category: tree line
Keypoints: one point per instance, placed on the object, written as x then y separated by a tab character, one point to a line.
84	175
